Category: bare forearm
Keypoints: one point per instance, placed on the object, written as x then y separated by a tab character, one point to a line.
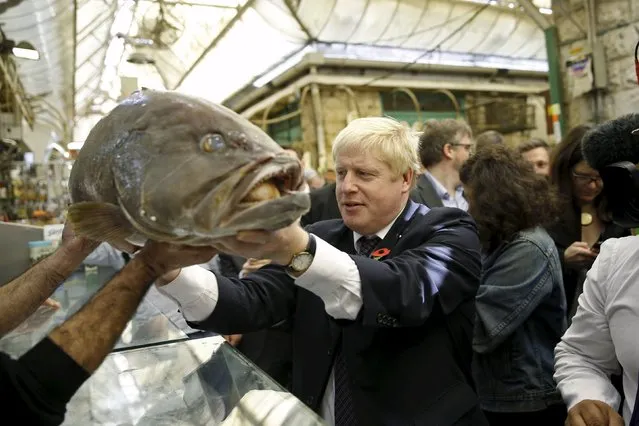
22	296
89	336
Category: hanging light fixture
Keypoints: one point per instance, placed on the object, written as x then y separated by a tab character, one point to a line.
24	49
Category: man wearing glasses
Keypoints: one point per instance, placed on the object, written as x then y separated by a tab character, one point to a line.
444	146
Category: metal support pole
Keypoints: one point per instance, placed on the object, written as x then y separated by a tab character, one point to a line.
554	78
554	69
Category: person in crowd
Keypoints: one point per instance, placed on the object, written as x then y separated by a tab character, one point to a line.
521	305
537	152
37	387
313	179
381	301
585	223
601	342
444	146
488	138
323	205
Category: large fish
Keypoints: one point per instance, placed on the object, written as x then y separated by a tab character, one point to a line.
170	167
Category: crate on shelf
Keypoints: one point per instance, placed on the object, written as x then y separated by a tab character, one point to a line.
502	115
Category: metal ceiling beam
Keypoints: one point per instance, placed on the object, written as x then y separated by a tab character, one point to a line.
194	3
216	40
354	81
295	16
534	13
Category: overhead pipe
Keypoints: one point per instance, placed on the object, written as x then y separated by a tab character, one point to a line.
319	123
266	121
352	98
453	99
413	97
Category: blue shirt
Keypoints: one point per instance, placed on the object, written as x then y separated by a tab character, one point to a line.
457	200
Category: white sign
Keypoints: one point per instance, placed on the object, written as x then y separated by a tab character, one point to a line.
53	232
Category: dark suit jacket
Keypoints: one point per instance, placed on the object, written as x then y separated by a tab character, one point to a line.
408	352
425	193
270	349
323	205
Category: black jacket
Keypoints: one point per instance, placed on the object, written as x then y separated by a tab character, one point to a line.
409	349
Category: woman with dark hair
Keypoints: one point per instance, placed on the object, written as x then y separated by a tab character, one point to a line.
521	306
584	224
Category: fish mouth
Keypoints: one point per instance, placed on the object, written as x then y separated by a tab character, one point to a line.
269	196
268	183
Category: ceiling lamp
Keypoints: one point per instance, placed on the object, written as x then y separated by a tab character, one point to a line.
24	49
139	58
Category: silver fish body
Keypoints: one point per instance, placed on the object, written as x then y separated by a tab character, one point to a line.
176	168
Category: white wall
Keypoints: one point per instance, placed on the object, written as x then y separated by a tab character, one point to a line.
38	139
84	126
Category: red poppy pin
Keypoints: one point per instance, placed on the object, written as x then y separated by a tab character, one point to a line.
379	253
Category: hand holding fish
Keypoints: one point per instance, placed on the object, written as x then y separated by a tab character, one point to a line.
280	246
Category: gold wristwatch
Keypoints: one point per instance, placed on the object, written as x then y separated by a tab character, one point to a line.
302	261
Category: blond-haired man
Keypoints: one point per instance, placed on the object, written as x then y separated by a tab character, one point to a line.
381	301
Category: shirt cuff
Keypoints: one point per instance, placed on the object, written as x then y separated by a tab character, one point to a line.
195	290
598	390
333	276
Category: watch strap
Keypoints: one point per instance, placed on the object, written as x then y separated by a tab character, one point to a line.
312	244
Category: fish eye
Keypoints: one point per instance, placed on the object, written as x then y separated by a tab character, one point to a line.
212	143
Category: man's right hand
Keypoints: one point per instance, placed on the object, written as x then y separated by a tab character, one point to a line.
593	413
165	258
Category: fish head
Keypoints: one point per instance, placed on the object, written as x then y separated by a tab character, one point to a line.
192	171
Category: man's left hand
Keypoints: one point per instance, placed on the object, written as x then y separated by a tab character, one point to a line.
280	246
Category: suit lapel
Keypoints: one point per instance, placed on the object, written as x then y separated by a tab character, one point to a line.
427	192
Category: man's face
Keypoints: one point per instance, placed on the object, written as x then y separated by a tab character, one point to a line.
461	151
540	160
369	194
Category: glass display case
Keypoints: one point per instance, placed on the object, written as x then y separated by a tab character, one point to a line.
162	372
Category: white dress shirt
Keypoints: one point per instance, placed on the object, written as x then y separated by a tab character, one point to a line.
332	276
603	333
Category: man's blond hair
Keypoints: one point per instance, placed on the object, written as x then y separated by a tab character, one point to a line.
386	138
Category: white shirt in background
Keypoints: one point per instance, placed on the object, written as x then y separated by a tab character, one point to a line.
604	331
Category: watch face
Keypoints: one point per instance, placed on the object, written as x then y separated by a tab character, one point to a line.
302	261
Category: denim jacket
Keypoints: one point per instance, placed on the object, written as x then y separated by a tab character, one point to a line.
521	316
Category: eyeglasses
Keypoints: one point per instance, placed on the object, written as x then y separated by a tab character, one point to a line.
468	146
587	179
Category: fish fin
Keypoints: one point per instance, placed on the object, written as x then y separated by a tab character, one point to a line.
99	221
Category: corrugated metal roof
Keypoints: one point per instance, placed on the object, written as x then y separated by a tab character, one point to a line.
215	47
